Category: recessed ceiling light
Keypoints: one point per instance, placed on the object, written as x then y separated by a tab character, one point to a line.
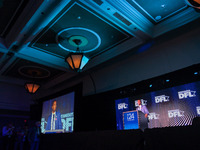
163	5
79	17
158	17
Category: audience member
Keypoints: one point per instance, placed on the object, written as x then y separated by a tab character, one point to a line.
20	139
8	136
34	136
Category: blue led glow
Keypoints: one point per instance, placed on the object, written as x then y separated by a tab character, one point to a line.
196	73
167	80
150	85
84	61
145	47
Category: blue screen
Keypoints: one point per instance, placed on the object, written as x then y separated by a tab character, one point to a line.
176	106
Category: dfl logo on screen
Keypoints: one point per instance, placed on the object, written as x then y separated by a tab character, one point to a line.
198	110
130	116
175	113
122	106
153	115
186	94
68	121
144	102
161	98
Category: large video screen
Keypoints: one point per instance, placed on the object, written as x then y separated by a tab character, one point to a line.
58	114
176	106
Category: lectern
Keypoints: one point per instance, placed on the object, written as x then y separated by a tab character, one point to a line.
54	131
134	120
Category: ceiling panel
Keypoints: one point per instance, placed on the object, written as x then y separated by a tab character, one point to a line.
24	69
1	54
158	10
43	32
10	9
78	20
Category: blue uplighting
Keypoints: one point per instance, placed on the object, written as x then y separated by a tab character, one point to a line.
145	47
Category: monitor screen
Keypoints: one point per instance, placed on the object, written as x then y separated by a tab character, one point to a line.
175	106
58	114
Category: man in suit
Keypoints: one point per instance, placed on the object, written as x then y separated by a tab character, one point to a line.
142	108
54	120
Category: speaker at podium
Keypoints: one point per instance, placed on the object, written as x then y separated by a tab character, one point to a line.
134	120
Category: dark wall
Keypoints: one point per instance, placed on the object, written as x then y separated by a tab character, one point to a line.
15	116
36	111
97	112
14	97
186	138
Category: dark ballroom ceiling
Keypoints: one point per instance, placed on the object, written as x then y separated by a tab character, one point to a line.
35	35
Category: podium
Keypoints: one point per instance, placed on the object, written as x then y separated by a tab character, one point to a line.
134	120
54	131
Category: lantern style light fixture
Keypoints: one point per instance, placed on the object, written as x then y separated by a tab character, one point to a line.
193	3
32	87
76	60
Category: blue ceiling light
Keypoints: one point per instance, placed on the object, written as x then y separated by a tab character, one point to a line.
158	17
195	73
163	6
150	85
167	80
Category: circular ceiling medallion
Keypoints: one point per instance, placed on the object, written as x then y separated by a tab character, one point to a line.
83	40
34	72
90	39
